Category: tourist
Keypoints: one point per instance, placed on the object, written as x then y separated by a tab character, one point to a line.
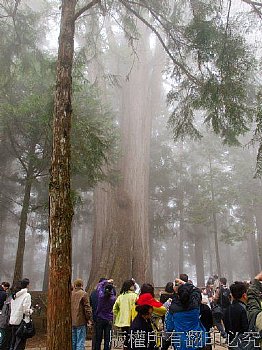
81	315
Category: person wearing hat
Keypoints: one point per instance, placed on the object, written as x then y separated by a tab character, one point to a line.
149	312
158	312
81	315
141	325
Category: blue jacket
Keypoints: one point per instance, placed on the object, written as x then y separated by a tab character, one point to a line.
183	324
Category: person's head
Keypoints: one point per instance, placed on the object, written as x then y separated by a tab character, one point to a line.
144	311
17	286
184	292
78	283
239	291
127	286
25	283
183	277
147	288
5	285
223	281
169	287
215	277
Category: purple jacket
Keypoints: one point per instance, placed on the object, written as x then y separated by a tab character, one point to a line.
105	304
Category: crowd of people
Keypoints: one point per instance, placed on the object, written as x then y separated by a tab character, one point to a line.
185	316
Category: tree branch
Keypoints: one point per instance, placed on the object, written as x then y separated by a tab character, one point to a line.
254	7
255	3
180	65
86	8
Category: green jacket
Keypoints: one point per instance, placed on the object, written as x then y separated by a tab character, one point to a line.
124	309
254	299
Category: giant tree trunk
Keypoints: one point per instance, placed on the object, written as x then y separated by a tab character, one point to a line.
18	272
121	237
61	211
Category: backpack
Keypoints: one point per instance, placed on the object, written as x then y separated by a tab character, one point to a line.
224	297
5	315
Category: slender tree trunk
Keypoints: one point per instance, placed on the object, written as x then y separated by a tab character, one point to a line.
18	272
46	272
61	210
3	240
199	256
214	215
210	256
258	216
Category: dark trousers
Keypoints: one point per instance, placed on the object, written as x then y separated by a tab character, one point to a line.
103	328
5	338
94	336
16	342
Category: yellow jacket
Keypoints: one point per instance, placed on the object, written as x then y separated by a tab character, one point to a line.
124	309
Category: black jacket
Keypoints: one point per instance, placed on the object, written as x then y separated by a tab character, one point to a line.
3	297
224	297
236	319
194	301
165	296
140	325
206	317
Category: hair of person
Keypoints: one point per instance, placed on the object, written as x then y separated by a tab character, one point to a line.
143	310
78	283
126	286
6	284
184	295
183	277
223	280
16	287
25	282
237	289
147	288
215	277
169	288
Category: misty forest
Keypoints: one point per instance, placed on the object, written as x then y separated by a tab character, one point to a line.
130	143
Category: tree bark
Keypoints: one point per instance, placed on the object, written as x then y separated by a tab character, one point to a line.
121	237
61	210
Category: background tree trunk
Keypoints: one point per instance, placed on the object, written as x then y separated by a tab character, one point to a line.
18	272
199	256
214	218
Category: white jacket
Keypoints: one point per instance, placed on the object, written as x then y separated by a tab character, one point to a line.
20	306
